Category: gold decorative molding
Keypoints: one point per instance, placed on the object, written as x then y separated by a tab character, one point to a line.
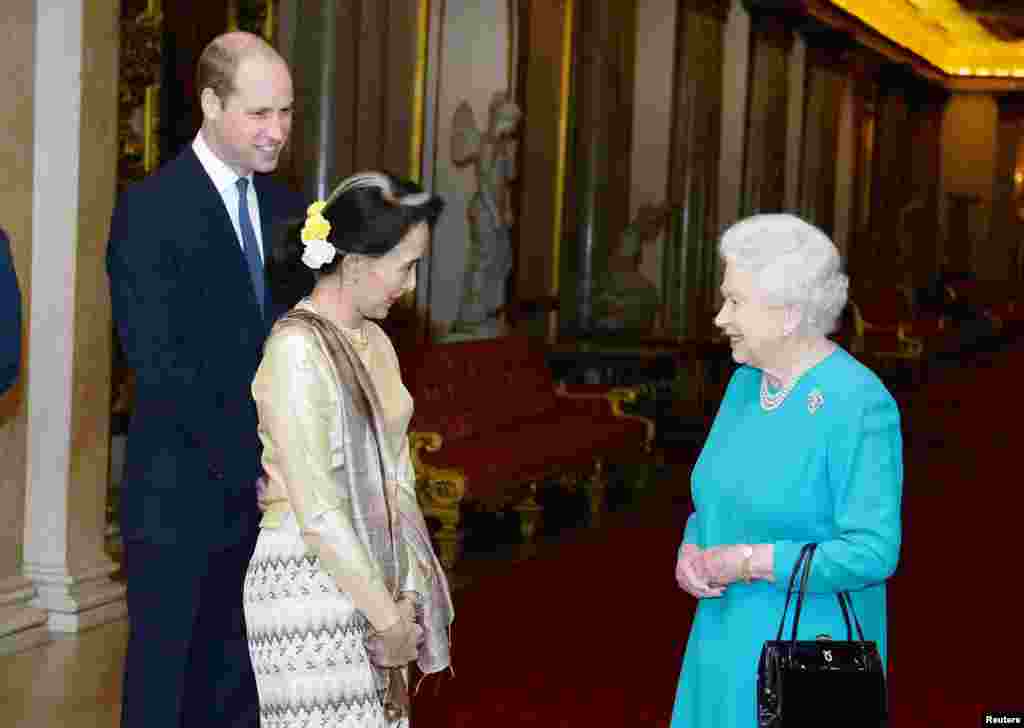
151	117
440	492
419	82
447	485
563	142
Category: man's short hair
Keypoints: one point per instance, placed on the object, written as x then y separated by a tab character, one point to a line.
216	70
219	61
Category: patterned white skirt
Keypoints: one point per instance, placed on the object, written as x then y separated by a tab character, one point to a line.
306	641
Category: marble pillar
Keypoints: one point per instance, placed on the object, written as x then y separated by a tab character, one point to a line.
690	275
796	133
354	64
68	443
864	101
735	84
765	170
846	169
313	61
22	624
821	111
592	158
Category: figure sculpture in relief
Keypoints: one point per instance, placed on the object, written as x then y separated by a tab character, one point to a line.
626	299
492	154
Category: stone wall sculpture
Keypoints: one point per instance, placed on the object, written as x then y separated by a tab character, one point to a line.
491	155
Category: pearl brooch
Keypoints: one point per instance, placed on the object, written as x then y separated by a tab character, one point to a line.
815	400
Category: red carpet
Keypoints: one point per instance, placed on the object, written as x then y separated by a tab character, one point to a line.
560	640
955	625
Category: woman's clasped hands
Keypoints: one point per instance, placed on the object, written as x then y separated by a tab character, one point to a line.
400	643
705	573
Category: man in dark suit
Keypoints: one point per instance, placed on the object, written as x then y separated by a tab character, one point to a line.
185	262
10	318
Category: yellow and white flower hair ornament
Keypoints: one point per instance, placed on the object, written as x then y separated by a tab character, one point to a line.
319	251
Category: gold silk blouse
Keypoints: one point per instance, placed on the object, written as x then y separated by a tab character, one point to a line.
300	427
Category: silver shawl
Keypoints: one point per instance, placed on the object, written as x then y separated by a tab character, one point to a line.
389	526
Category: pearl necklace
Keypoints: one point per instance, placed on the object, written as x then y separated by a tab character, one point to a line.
771	401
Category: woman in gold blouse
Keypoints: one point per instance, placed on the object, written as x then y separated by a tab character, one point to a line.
344	589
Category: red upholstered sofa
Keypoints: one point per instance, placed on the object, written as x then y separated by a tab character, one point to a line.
490	424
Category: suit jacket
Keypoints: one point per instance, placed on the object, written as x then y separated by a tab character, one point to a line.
191	328
10	318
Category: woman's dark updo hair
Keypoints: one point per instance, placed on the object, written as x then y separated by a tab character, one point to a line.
364	220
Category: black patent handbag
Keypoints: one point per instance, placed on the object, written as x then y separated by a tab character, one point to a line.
824	682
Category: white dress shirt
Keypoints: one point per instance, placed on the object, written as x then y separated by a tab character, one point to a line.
224	179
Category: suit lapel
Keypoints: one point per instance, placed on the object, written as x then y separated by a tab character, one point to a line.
222	238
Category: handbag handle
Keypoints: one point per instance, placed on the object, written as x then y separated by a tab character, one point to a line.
860	633
803	588
807	549
803	567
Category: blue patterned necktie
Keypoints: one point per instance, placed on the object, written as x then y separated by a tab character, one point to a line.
252	250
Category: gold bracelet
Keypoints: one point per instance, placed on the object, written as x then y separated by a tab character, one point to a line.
746	569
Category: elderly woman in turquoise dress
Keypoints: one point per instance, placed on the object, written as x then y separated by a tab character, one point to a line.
806	447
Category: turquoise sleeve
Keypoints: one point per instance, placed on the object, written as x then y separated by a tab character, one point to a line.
690	533
865	477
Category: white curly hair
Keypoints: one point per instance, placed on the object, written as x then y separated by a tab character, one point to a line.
793	264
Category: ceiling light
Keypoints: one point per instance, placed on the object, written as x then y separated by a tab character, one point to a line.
942	33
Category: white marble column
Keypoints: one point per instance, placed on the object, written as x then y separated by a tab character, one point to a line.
75	155
22	625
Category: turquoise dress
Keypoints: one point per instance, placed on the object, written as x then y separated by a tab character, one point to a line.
826	466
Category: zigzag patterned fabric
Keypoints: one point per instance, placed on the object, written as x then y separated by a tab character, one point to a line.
306	640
